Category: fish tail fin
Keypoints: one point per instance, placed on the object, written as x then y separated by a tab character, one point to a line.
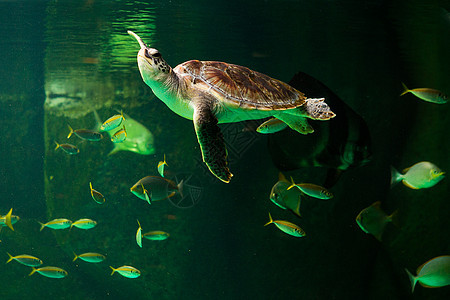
180	187
75	258
396	176
138	223
165	160
42	226
57	145
8	219
71	131
113	270
33	271
405	89
412	279
90	186
393	218
292	184
10	257
270	220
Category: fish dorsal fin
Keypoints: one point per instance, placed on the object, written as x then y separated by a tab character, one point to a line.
420	268
404	171
377	205
281	177
423	265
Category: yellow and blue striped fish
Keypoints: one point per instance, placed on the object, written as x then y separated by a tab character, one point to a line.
50	272
127	271
90	257
84	224
56	224
26	260
96	195
287	227
139	235
429	95
112	122
161	165
156	235
119	136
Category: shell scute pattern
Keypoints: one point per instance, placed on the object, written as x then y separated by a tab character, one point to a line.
242	86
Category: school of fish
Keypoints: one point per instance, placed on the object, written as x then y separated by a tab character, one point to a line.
160	188
373	220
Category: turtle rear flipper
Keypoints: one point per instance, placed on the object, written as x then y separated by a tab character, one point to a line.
210	138
316	109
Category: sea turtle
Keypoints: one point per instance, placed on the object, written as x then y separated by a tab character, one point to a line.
211	92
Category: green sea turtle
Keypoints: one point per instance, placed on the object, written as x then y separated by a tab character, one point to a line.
211	92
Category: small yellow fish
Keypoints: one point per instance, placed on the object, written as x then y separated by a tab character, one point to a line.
85	134
119	136
8	220
287	227
90	257
429	95
161	165
26	260
84	224
139	235
96	195
112	122
56	224
432	274
312	190
68	148
51	272
156	235
127	271
271	126
421	175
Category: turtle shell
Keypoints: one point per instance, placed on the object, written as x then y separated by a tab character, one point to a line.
239	86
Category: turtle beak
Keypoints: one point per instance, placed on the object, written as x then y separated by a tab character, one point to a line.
141	43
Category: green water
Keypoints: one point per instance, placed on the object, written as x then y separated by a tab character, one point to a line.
61	60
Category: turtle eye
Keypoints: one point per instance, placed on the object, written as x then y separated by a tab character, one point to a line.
157	54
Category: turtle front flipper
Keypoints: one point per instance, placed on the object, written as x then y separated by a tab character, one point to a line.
210	138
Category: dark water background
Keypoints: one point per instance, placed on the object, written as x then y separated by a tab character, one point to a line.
218	247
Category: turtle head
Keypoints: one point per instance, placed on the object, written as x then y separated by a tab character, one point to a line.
151	64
